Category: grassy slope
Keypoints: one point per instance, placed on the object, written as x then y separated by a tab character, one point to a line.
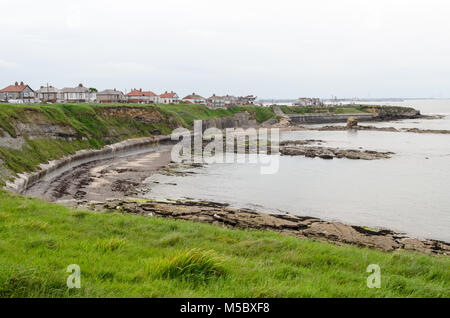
124	255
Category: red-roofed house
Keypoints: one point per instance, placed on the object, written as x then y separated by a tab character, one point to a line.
17	92
140	97
168	98
194	99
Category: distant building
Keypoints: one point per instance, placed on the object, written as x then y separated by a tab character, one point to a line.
247	100
140	97
310	102
194	99
48	94
111	96
230	100
168	98
79	94
215	101
17	93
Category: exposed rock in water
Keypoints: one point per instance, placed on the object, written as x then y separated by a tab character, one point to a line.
302	227
294	149
352	122
426	131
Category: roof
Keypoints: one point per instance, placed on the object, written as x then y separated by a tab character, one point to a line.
110	92
139	92
168	95
79	89
47	89
16	88
194	96
216	97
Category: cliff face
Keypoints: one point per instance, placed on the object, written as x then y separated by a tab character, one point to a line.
235	121
390	113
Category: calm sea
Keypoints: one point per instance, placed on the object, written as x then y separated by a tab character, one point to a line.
408	193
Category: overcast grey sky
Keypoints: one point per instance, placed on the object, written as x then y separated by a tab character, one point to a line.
274	49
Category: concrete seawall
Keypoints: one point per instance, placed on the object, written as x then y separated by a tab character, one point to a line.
56	167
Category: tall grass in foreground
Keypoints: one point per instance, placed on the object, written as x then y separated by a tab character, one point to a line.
136	256
193	264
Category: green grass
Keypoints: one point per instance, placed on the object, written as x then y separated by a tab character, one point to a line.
136	256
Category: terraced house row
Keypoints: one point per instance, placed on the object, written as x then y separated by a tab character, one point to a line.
21	93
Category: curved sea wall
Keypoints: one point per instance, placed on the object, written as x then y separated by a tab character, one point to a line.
56	167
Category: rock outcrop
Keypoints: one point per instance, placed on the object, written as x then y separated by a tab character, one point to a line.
302	227
352	122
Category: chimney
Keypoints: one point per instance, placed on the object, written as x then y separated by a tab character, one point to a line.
21	83
140	89
80	85
16	84
42	86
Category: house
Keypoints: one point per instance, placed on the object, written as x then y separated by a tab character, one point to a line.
17	93
247	100
230	100
215	101
194	99
306	101
140	97
48	94
79	94
168	98
111	96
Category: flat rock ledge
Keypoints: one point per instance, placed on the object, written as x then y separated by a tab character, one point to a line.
301	227
302	148
373	128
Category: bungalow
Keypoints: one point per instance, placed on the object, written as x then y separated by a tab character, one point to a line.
140	97
17	92
79	94
194	99
110	96
48	94
168	98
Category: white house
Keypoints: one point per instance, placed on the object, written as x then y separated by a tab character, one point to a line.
79	94
168	98
194	99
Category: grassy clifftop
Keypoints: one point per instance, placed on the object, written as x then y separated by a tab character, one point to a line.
135	256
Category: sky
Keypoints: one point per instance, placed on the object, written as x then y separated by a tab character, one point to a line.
272	49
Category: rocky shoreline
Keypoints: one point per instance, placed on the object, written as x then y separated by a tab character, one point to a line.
301	227
302	148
